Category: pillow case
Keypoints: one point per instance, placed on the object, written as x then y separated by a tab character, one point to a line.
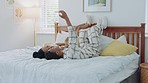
61	37
105	41
117	48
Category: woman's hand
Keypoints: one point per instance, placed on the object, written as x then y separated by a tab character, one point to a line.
46	48
66	42
63	15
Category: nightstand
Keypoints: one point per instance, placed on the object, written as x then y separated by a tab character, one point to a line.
144	72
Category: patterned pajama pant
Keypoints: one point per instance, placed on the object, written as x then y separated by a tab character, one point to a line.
88	45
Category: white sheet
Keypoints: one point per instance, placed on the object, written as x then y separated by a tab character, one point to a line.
123	74
18	66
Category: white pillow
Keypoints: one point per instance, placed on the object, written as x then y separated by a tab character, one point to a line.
61	37
122	39
104	40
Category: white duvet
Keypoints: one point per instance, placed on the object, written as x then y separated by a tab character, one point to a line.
18	66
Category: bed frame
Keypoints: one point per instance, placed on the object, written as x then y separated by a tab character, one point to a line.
135	35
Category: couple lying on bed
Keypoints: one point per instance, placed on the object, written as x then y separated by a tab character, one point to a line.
89	44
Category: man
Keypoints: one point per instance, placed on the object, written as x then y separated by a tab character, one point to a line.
88	39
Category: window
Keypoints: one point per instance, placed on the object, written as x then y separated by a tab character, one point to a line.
49	15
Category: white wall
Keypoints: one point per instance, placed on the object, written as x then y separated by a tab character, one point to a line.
13	35
146	49
124	12
45	38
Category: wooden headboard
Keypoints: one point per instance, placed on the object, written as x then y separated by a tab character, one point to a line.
135	35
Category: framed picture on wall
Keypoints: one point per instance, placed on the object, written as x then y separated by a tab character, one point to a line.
96	5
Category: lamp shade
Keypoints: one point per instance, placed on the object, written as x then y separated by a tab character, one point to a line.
30	12
27	3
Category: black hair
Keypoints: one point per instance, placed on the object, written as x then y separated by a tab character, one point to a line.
40	54
51	55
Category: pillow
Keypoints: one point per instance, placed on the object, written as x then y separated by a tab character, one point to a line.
117	48
104	40
61	37
122	39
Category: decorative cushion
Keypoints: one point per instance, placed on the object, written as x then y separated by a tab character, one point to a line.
104	40
117	48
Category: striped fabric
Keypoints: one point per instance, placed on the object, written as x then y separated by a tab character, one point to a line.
89	43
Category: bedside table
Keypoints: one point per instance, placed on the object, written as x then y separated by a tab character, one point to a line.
144	72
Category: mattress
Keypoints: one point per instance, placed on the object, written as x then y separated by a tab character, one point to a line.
18	66
118	77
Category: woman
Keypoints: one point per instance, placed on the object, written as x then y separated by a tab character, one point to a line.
88	38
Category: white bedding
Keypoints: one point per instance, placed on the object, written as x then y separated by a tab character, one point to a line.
118	77
18	66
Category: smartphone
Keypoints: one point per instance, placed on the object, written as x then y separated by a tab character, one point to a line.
60	14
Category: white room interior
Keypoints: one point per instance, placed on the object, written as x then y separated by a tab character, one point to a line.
15	35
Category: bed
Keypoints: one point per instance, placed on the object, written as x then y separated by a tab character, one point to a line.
18	66
135	35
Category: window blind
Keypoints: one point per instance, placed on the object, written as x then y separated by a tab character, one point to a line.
49	15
